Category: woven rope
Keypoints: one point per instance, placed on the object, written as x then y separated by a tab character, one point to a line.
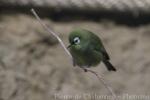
133	6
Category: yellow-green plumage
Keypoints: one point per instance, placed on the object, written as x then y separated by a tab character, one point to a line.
87	49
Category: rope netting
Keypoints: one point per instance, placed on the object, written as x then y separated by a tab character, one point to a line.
131	6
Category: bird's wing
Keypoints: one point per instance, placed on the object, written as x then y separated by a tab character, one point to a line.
99	47
104	53
101	55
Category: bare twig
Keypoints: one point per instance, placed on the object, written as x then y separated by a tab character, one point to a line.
100	78
51	32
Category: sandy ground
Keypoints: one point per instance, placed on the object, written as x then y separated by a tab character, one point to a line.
35	67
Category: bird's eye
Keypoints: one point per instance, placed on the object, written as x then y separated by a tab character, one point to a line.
76	40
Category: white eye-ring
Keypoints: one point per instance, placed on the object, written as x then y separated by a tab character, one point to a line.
76	40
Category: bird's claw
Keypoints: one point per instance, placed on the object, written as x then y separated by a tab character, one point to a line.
85	70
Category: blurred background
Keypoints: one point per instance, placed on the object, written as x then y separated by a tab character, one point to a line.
33	65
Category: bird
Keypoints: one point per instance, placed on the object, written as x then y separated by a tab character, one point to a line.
87	50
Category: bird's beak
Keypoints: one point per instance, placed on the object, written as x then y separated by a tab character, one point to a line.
69	46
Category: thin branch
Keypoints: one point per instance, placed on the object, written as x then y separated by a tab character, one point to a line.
51	32
100	78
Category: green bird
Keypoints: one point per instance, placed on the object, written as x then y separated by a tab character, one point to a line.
87	50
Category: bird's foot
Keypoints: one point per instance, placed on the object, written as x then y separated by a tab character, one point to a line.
85	70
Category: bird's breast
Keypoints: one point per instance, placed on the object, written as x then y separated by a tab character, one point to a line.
84	57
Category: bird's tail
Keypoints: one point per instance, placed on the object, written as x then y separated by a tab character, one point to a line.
109	66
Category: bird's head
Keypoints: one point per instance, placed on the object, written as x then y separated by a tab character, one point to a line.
78	38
